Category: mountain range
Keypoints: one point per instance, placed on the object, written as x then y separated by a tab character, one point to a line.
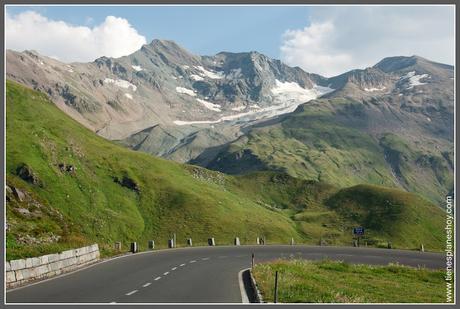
390	124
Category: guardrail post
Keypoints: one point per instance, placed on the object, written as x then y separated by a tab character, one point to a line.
237	241
211	241
171	243
134	248
275	296
189	242
151	244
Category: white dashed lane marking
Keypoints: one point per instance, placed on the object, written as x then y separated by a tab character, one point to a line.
165	274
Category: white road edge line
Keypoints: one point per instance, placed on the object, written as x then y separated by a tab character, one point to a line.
181	265
147	284
157	278
192	261
114	302
166	273
174	268
131	293
205	259
244	296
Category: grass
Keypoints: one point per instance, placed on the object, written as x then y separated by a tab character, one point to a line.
332	141
326	281
171	198
112	194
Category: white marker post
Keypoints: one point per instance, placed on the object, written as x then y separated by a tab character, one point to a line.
134	248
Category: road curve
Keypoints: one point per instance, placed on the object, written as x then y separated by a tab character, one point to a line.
191	275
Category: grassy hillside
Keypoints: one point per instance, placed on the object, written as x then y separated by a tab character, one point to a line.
93	203
323	212
345	142
338	282
68	187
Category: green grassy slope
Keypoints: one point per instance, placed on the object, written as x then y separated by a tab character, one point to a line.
324	212
171	197
338	282
80	188
335	141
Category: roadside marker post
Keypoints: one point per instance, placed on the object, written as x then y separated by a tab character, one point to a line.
275	294
237	241
211	241
151	244
189	242
170	243
252	261
134	248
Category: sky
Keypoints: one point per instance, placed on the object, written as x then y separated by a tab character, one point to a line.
326	40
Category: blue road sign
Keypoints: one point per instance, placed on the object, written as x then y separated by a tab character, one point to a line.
358	231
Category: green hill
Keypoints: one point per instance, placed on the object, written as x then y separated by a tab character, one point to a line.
345	142
68	187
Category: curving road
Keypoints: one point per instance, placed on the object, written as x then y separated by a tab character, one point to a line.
191	275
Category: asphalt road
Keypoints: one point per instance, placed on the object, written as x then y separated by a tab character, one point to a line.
191	275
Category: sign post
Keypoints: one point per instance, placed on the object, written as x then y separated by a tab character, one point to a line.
358	232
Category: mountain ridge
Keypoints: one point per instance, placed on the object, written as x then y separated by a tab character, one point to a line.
168	102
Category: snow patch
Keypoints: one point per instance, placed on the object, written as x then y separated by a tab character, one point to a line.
196	77
234	73
120	83
414	80
138	68
291	93
185	91
374	89
210	74
129	96
239	108
287	97
209	105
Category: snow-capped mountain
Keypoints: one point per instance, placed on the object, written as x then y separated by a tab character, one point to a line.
164	100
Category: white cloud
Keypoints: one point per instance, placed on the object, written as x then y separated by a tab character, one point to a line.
338	39
114	37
